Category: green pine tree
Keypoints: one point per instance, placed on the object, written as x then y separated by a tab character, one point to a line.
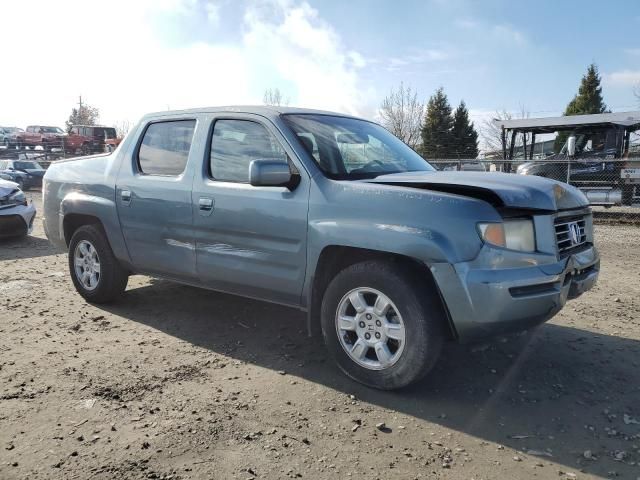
437	138
588	101
464	134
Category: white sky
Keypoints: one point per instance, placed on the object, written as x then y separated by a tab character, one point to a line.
111	54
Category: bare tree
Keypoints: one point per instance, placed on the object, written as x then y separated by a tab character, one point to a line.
402	113
83	115
273	97
122	128
491	131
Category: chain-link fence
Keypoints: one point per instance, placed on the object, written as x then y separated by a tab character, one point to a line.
612	186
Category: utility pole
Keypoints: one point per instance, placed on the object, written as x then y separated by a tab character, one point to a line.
80	103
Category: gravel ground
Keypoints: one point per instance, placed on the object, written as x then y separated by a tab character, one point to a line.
176	382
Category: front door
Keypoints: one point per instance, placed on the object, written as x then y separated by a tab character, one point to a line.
249	240
153	195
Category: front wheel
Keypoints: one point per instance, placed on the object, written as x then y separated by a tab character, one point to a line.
95	271
380	327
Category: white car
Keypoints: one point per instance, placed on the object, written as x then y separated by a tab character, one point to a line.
16	213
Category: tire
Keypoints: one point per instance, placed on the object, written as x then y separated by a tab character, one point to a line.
112	279
421	316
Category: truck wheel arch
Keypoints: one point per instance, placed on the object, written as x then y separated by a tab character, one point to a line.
73	221
335	258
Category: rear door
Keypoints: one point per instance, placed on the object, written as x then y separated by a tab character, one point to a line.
249	240
153	195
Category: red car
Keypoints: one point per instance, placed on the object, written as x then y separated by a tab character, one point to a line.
51	137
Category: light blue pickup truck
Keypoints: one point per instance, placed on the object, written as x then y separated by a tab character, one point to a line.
330	214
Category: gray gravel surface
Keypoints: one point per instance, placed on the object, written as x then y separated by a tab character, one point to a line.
176	382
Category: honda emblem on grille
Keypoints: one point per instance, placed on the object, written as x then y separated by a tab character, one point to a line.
574	233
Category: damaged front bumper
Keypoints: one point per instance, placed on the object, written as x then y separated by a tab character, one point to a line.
484	302
16	220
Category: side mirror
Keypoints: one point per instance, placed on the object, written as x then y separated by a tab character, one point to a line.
269	173
571	146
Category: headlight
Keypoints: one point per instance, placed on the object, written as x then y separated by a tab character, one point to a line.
17	198
512	234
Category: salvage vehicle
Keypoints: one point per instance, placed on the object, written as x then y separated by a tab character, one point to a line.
26	173
597	155
50	138
8	136
330	214
100	138
16	213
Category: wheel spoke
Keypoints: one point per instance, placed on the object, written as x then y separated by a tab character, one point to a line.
84	250
78	262
359	349
347	323
383	353
394	331
93	279
96	267
381	306
358	301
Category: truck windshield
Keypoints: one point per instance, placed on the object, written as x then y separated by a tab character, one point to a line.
51	130
352	149
27	166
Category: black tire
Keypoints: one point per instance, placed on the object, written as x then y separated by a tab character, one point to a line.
113	278
422	315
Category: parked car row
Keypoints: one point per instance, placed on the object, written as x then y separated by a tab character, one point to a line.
83	139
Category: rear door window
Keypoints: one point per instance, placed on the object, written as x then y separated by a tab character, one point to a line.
165	147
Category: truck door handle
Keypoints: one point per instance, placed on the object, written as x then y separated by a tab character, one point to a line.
205	205
125	196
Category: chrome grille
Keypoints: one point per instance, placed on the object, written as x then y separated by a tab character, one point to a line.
571	234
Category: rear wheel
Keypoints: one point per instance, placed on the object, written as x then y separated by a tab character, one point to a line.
95	271
380	327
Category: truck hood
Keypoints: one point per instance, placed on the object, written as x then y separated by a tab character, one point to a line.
499	189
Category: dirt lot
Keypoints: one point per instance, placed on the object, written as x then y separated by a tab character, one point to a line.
176	382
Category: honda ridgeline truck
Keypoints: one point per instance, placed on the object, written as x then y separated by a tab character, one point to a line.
329	214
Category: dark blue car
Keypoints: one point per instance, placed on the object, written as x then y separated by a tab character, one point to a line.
26	173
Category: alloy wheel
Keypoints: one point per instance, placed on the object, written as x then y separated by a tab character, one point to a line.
370	328
87	265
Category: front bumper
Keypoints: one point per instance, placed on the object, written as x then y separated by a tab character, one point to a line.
17	221
484	302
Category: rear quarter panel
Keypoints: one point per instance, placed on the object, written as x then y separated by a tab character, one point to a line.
83	186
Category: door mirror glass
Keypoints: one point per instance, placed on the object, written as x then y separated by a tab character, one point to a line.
571	146
269	173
